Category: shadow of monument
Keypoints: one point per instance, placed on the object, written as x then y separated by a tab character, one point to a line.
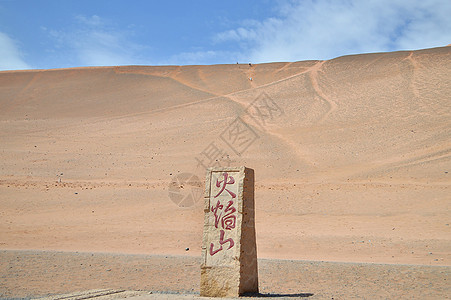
271	295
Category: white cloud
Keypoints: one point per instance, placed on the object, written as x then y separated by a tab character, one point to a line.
323	29
10	56
95	42
238	34
94	20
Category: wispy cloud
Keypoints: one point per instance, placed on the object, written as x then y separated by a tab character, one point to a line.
94	41
323	29
10	56
295	30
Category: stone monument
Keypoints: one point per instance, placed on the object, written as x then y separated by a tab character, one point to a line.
229	250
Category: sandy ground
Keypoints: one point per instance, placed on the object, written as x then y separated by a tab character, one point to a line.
352	157
43	274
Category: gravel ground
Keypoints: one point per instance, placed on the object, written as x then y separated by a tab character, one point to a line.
34	274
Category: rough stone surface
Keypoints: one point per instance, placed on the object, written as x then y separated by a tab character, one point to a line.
229	252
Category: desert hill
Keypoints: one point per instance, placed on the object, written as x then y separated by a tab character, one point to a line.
352	156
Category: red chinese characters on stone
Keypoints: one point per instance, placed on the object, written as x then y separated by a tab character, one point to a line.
222	242
225	219
224	183
229	220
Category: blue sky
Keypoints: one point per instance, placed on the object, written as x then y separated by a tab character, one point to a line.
43	34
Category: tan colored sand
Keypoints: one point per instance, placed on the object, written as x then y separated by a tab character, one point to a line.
41	274
356	169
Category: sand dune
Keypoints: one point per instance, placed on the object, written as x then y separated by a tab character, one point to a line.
352	156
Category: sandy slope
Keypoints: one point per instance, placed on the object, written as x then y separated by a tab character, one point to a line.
352	156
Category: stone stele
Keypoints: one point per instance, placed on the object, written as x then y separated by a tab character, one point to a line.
229	250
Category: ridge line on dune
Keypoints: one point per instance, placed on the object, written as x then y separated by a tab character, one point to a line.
210	98
186	83
332	105
411	81
319	62
284	67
